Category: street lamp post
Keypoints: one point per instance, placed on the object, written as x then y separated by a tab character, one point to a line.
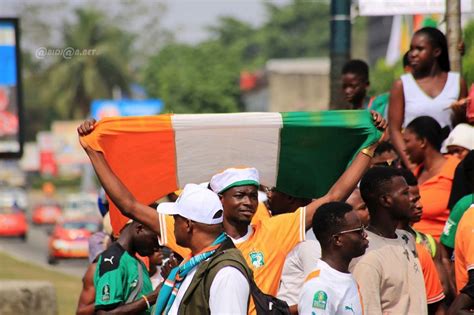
340	48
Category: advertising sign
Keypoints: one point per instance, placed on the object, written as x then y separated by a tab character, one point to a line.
11	142
110	108
407	7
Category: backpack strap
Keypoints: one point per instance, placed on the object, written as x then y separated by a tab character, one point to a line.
138	288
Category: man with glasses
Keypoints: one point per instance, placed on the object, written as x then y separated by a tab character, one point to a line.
330	288
389	274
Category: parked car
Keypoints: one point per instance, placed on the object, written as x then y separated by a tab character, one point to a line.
13	222
46	212
69	238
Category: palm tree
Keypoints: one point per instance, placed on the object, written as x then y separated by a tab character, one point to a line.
97	65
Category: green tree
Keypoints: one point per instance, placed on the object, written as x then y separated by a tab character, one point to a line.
300	29
204	78
100	65
38	113
468	58
199	79
382	76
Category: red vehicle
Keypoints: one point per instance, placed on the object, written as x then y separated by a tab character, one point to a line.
13	222
47	212
69	239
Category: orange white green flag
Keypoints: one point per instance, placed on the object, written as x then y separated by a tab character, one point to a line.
301	153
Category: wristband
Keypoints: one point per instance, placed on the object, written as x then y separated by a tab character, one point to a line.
368	152
147	303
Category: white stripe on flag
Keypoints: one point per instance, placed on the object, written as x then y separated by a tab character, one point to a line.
208	144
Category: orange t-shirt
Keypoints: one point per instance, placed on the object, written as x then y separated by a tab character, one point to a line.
434	198
434	289
464	248
264	248
262	213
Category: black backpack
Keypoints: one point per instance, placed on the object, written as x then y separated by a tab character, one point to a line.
267	304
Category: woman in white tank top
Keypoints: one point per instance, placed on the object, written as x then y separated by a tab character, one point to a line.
429	89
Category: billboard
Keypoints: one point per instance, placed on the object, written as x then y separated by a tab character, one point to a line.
110	108
11	140
407	7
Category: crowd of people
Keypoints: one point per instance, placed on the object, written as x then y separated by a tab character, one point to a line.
393	235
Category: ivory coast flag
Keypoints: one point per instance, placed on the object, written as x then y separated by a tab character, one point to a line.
301	153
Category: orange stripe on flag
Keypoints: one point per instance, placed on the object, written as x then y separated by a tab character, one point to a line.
150	172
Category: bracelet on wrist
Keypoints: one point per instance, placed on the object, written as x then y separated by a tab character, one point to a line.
146	301
368	152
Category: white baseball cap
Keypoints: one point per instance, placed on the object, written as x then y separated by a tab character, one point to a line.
195	203
234	177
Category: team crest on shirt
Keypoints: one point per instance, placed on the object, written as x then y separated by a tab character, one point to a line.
106	293
320	299
256	258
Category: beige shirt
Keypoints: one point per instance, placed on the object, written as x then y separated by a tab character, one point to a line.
390	277
298	264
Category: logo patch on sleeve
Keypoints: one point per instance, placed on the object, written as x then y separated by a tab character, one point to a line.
106	293
320	300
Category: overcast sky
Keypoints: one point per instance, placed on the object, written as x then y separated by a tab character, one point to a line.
191	16
186	18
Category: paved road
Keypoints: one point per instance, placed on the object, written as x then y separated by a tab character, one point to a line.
34	250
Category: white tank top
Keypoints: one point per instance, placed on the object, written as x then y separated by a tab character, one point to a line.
418	103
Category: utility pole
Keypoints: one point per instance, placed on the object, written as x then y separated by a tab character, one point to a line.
340	48
453	33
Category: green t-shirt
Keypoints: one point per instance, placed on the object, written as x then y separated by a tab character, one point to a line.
116	276
449	231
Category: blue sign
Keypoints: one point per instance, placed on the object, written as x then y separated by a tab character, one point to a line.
110	108
7	54
11	140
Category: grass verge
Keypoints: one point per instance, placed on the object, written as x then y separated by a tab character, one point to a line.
67	287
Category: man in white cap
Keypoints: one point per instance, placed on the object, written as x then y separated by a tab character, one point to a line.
214	278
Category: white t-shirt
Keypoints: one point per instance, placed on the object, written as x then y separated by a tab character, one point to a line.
229	293
328	291
156	279
298	264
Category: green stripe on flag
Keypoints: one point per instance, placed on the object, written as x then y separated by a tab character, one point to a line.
316	148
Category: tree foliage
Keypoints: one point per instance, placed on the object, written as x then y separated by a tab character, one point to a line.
100	65
204	78
58	88
468	58
195	79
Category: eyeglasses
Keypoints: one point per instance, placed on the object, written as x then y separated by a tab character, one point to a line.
360	230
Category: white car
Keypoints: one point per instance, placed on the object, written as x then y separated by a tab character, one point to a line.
80	205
